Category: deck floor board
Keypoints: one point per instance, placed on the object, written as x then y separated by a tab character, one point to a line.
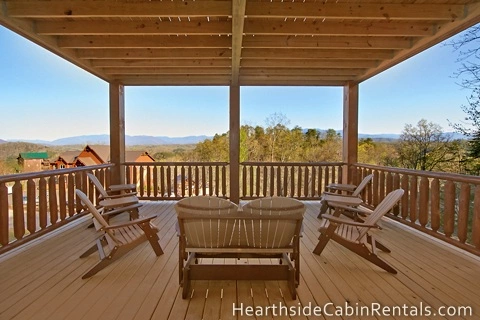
42	280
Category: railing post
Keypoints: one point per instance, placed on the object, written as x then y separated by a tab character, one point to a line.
350	128
117	132
234	136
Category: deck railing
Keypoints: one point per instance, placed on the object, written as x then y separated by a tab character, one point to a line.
177	180
443	205
33	204
301	180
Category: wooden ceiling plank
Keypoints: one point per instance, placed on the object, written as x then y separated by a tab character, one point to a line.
84	9
153	63
238	17
352	42
308	63
291	82
137	28
268	53
182	41
175	80
472	17
383	11
317	27
154	53
309	72
167	71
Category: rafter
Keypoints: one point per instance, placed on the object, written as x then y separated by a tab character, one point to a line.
147	27
374	54
92	9
153	53
358	28
174	41
238	17
339	42
167	70
176	80
383	11
309	63
155	63
298	72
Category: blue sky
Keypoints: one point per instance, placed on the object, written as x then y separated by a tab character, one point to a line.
45	97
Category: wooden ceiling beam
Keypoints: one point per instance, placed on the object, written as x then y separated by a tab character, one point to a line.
309	63
162	41
341	28
373	54
137	28
175	80
302	71
167	70
154	53
155	63
294	78
339	42
471	18
93	9
238	17
382	11
292	82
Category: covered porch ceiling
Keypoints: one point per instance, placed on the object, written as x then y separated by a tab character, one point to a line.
240	43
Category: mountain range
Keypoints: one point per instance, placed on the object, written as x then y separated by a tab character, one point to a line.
164	140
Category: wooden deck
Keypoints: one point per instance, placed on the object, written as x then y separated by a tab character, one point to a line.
42	280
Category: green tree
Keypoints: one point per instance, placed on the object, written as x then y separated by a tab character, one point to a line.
425	147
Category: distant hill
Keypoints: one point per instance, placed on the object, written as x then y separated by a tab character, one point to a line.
3	141
129	140
391	136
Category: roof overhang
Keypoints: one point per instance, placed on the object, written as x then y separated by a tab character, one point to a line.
237	42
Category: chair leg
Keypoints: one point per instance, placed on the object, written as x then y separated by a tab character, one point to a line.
325	235
94	248
378	244
323	208
102	264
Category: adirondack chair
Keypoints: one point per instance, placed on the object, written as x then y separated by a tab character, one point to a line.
352	199
116	240
354	235
127	200
210	227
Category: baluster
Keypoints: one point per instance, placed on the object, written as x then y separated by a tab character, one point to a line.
404	181
78	185
162	181
413	199
100	174
265	181
142	181
381	186
197	181
306	180
279	181
149	181
3	214
435	204
182	173
375	189
389	183
476	218
62	197
272	181
18	212
155	181
449	208
333	175
247	176
190	193
339	174
108	175
396	185
204	182
210	180
93	190
169	182
175	181
320	179
463	210
285	181
217	181
71	194
135	175
224	180
327	174
31	206
52	200
314	174
423	206
257	182
128	174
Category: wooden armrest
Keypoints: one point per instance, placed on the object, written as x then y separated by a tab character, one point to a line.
347	221
130	223
342	187
121	209
346	200
116	196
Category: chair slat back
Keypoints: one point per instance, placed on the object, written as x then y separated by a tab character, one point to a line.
362	185
382	208
271	232
98	184
200	224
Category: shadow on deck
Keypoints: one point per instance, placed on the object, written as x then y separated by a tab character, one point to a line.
42	280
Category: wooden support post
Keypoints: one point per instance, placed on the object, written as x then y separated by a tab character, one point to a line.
350	129
234	134
117	132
